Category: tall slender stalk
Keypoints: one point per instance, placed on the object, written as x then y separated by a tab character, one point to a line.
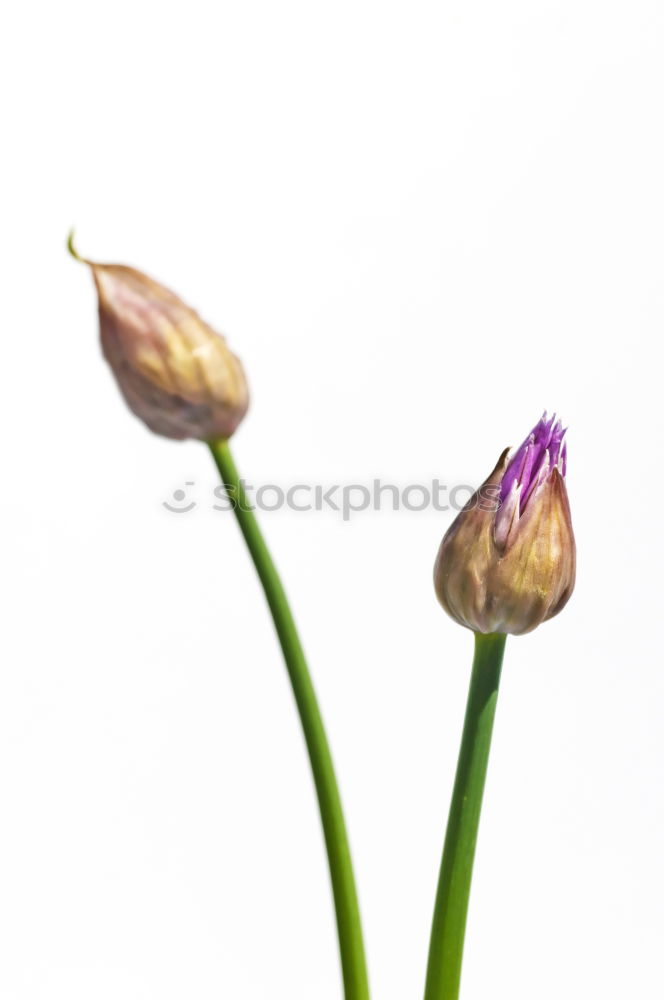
349	927
451	908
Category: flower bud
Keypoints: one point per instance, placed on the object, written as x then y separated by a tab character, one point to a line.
175	372
508	561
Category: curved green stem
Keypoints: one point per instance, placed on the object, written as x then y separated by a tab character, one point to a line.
449	917
336	840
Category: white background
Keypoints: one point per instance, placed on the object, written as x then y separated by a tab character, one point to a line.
418	224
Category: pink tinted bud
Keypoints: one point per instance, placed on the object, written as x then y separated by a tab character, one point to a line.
175	372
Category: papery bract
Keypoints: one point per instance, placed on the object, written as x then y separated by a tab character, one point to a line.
175	372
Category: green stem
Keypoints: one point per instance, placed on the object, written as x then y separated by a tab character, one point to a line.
449	917
349	927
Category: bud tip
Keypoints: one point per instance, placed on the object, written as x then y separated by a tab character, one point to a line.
72	249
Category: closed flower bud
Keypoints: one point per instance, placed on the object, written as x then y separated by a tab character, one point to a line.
175	372
508	561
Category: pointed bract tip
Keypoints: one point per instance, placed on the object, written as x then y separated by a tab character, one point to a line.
72	249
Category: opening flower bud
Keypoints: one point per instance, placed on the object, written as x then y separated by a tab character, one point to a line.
508	561
175	372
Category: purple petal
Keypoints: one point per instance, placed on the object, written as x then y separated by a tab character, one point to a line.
543	449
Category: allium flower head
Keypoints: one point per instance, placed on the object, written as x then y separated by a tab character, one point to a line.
175	372
508	561
543	450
